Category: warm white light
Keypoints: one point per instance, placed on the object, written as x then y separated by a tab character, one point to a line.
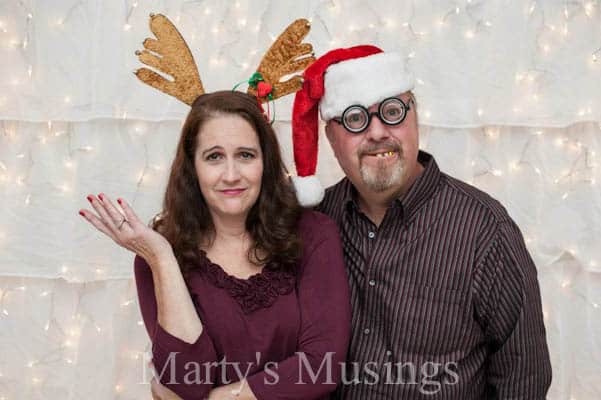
497	172
126	27
469	34
532	7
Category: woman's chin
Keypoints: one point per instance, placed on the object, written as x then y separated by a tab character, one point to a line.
234	210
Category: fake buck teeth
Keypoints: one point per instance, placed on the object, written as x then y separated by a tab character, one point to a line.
387	154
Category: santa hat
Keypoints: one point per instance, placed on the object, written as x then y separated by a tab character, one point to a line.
362	75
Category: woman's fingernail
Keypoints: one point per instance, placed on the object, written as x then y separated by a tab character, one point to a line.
119	201
82	213
101	196
90	198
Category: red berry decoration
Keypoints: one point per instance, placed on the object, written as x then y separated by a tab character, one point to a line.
263	89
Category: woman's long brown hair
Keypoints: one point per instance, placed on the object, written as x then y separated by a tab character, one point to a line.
185	220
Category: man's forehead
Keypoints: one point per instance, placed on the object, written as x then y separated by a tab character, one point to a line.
403	96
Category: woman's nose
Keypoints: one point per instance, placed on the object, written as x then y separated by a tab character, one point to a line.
232	172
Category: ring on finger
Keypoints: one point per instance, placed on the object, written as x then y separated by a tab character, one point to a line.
122	222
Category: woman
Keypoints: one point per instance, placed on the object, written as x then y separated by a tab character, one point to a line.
242	291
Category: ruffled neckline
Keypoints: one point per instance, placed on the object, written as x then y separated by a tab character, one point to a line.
260	290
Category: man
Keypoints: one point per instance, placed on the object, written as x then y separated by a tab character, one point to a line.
446	303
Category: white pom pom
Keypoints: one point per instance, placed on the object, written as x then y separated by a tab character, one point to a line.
309	191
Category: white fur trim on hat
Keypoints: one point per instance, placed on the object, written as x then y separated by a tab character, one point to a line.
309	191
365	81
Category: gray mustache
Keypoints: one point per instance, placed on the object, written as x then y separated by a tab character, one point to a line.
380	148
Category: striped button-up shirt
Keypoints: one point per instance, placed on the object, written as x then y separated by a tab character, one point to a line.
445	298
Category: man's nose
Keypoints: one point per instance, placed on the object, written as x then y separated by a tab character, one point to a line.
376	130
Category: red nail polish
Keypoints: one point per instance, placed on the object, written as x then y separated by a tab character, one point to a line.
90	198
82	214
119	201
101	196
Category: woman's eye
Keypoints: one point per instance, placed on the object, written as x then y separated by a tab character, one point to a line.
213	156
246	155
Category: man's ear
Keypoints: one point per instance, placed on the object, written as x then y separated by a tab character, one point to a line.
330	133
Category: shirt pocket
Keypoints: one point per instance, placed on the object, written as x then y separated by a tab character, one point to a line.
432	320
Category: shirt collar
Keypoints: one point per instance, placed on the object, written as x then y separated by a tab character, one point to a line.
422	189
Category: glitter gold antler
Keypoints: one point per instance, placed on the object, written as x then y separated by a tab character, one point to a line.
286	56
169	54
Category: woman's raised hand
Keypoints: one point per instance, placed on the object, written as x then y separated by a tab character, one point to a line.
125	228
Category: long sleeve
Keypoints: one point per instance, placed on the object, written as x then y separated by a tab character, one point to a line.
170	354
508	307
323	296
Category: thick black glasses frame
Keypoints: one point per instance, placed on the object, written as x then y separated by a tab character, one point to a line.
378	114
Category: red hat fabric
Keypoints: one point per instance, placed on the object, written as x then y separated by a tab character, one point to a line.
305	121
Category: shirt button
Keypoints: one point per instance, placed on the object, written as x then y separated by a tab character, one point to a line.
372	283
371	235
366	331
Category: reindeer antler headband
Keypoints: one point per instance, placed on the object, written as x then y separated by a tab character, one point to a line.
170	54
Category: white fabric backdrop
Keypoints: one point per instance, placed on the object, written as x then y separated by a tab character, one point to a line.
509	100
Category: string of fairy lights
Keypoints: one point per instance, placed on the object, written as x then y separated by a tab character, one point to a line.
583	169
